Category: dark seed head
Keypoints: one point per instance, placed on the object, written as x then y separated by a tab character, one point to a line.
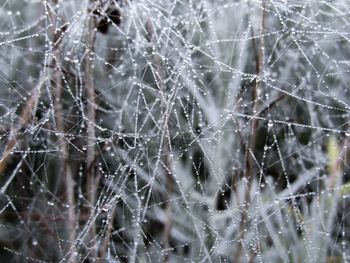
115	16
103	25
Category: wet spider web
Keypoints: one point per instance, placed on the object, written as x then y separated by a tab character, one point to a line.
174	131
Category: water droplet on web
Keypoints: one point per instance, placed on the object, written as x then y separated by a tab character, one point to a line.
270	124
34	242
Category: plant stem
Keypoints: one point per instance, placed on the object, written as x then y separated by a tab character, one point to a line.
249	160
62	142
91	183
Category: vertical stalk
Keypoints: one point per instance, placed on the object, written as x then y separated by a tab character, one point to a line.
104	245
62	142
160	76
91	183
65	166
249	160
169	187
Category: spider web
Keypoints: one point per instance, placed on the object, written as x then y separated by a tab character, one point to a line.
174	131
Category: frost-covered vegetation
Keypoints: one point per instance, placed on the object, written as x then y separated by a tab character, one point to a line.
174	131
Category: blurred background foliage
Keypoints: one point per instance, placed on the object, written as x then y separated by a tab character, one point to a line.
174	131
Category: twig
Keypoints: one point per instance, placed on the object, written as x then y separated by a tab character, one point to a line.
63	145
105	242
160	76
25	118
250	163
91	114
167	147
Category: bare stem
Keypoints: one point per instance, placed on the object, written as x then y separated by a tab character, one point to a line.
25	117
250	163
105	241
91	115
63	145
160	76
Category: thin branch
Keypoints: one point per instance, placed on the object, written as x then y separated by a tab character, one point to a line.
25	118
91	115
249	160
62	142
